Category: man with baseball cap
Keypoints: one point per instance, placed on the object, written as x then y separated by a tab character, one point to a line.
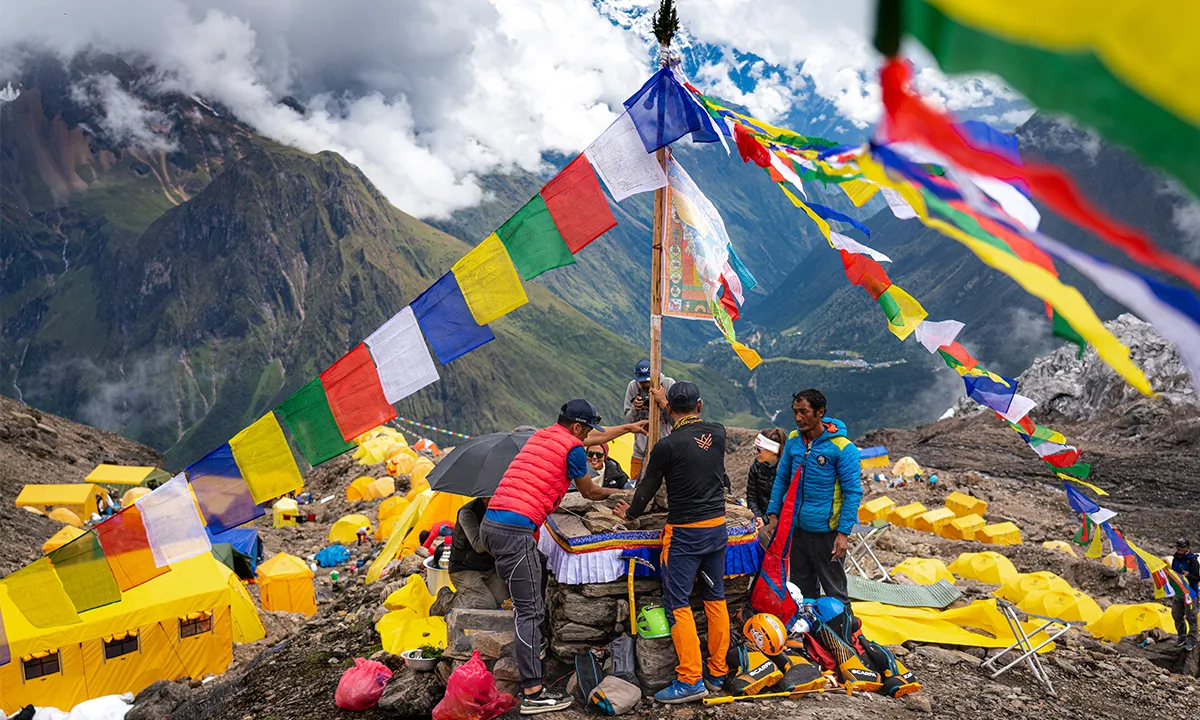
691	460
1188	567
637	407
532	487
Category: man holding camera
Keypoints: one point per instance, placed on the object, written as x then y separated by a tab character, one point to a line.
637	408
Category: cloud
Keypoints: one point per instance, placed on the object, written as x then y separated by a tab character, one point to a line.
124	117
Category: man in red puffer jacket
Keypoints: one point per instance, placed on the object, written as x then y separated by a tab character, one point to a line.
531	489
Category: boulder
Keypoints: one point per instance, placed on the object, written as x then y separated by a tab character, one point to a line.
412	694
619	588
506	669
158	700
410	565
492	644
656	661
395	663
577	632
598	612
461	622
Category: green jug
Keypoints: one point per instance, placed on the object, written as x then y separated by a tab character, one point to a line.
652	622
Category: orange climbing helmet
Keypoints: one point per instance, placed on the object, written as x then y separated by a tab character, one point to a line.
765	633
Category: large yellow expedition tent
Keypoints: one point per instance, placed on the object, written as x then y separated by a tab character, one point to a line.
60	538
286	583
80	498
126	475
180	624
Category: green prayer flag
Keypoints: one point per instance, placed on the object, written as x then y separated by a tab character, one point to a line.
311	423
85	574
951	361
1062	329
533	241
38	594
1079	471
891	309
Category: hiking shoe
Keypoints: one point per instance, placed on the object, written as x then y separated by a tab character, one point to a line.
1181	641
680	692
713	683
1190	645
545	701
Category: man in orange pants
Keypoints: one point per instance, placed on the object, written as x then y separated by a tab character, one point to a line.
692	462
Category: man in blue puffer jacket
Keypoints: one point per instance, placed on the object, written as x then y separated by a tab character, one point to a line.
819	470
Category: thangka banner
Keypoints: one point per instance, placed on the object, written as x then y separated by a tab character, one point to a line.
696	249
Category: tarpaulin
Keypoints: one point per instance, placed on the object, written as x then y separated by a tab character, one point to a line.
401	357
5	655
84	573
446	320
313	426
355	394
489	281
622	162
173	527
37	593
123	538
221	491
577	204
265	460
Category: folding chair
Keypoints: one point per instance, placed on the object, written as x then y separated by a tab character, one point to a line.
862	551
1024	643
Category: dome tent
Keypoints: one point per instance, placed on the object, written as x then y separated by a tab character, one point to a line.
1020	587
286	585
345	529
1069	605
284	513
1120	621
923	571
65	535
987	567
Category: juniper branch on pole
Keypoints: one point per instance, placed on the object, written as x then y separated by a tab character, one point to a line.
666	22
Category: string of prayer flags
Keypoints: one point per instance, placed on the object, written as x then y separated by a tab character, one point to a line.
446	321
221	489
262	455
174	530
313	427
489	282
401	357
622	162
663	111
84	573
127	549
355	393
35	590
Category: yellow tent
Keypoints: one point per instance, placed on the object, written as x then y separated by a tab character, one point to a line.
1119	621
963	505
127	475
383	487
80	498
385	528
1061	546
1004	533
285	583
400	460
987	567
358	490
391	507
132	494
906	514
442	507
1069	605
923	571
963	528
64	515
877	509
420	470
180	624
405	629
60	538
1020	587
621	450
403	524
933	521
284	513
345	530
906	467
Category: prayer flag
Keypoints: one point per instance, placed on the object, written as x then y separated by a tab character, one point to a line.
489	282
221	490
1096	548
933	335
36	592
446	320
174	530
401	356
663	111
577	204
696	250
265	460
532	240
903	312
859	191
309	417
85	574
127	550
1019	408
1077	471
989	391
831	214
957	357
841	242
866	273
355	395
1079	502
622	162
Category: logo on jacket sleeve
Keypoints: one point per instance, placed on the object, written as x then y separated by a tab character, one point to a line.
821	460
704	441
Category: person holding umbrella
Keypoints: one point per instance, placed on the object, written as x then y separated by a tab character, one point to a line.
531	488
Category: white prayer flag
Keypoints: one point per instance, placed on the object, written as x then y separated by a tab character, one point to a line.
850	245
900	207
173	526
933	335
1102	515
401	356
621	161
1018	408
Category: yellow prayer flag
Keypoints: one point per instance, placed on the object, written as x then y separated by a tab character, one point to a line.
265	460
859	191
1096	548
38	594
820	221
911	313
1084	483
489	281
747	354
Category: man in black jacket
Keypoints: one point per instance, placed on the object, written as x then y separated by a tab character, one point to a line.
477	585
691	460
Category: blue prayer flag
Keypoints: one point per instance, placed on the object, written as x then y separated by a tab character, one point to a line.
221	491
663	111
447	322
830	214
986	391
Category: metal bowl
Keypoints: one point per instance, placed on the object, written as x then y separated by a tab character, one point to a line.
413	659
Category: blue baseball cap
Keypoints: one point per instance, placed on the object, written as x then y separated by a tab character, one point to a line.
641	371
581	411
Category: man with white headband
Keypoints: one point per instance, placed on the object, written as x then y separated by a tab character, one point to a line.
761	477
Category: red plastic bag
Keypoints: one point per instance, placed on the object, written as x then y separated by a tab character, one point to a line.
361	685
471	694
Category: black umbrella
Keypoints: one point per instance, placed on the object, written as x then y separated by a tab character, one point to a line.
475	467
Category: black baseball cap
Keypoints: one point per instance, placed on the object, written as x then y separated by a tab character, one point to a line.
581	411
1182	544
683	394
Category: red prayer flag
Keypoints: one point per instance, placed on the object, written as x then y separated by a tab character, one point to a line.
866	273
355	393
577	204
959	353
127	550
750	149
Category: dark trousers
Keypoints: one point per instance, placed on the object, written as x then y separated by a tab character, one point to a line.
813	568
693	553
520	566
1185	616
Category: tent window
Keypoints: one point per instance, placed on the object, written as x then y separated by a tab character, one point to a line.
116	648
195	624
37	667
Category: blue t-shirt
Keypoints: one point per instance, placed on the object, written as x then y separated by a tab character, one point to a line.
577	465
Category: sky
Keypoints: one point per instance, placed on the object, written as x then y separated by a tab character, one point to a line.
427	97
